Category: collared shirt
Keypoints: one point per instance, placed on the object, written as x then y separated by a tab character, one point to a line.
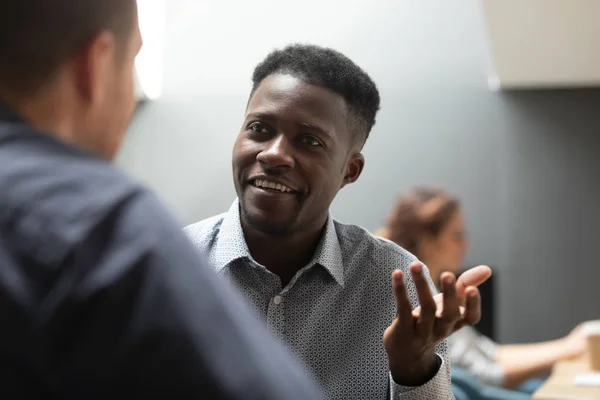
476	353
334	311
103	296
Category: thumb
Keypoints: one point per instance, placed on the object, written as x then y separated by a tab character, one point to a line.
472	277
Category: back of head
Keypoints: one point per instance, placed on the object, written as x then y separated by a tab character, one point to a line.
37	36
421	211
331	70
67	67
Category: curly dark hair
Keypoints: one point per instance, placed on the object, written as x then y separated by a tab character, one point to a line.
329	69
421	211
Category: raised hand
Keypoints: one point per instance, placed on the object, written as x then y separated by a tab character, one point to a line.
411	338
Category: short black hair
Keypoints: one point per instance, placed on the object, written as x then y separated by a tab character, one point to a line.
330	69
38	36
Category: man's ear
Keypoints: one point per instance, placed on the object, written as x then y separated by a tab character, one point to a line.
93	66
354	167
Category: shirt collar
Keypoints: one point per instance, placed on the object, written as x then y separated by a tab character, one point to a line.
232	246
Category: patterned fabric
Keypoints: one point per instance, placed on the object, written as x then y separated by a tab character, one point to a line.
334	311
476	353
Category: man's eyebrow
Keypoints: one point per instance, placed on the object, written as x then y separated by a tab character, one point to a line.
312	127
262	115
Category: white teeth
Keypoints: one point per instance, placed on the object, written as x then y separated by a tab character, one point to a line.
272	185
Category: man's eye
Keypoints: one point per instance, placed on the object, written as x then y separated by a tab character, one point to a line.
311	141
256	127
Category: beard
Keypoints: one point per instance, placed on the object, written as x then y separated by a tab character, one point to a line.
268	223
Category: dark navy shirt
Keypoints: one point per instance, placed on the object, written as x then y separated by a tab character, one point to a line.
101	293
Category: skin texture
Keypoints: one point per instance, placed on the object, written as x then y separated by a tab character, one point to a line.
299	135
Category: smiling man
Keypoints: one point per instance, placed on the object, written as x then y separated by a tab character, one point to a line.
342	299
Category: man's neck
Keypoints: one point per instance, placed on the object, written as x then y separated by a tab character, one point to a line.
283	255
47	111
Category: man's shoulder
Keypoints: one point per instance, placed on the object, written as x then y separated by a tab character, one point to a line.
358	243
204	232
65	190
43	169
53	196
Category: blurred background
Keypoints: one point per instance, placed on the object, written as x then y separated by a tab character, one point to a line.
497	101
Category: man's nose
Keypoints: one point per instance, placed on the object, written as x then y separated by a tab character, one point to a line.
277	153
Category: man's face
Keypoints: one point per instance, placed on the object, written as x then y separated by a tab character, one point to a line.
293	154
112	110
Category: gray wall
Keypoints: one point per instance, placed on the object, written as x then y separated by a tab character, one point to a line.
524	164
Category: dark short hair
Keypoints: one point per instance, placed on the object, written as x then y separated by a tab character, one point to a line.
38	36
421	211
329	69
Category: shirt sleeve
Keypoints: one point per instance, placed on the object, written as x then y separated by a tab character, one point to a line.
135	310
438	387
476	354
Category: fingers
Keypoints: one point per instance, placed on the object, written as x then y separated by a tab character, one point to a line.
403	306
472	313
472	277
428	307
449	313
446	312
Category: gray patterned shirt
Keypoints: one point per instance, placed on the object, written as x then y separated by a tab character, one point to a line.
334	311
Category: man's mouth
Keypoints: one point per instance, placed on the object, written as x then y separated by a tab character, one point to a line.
272	186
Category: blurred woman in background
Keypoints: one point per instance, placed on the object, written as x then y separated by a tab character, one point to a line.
429	223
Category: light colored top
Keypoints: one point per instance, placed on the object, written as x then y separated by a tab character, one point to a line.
334	311
476	353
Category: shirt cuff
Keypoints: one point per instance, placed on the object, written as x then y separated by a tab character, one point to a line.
438	387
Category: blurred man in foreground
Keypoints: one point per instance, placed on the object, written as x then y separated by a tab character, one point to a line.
101	294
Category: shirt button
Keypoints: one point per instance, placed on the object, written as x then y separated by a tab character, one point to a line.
277	300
